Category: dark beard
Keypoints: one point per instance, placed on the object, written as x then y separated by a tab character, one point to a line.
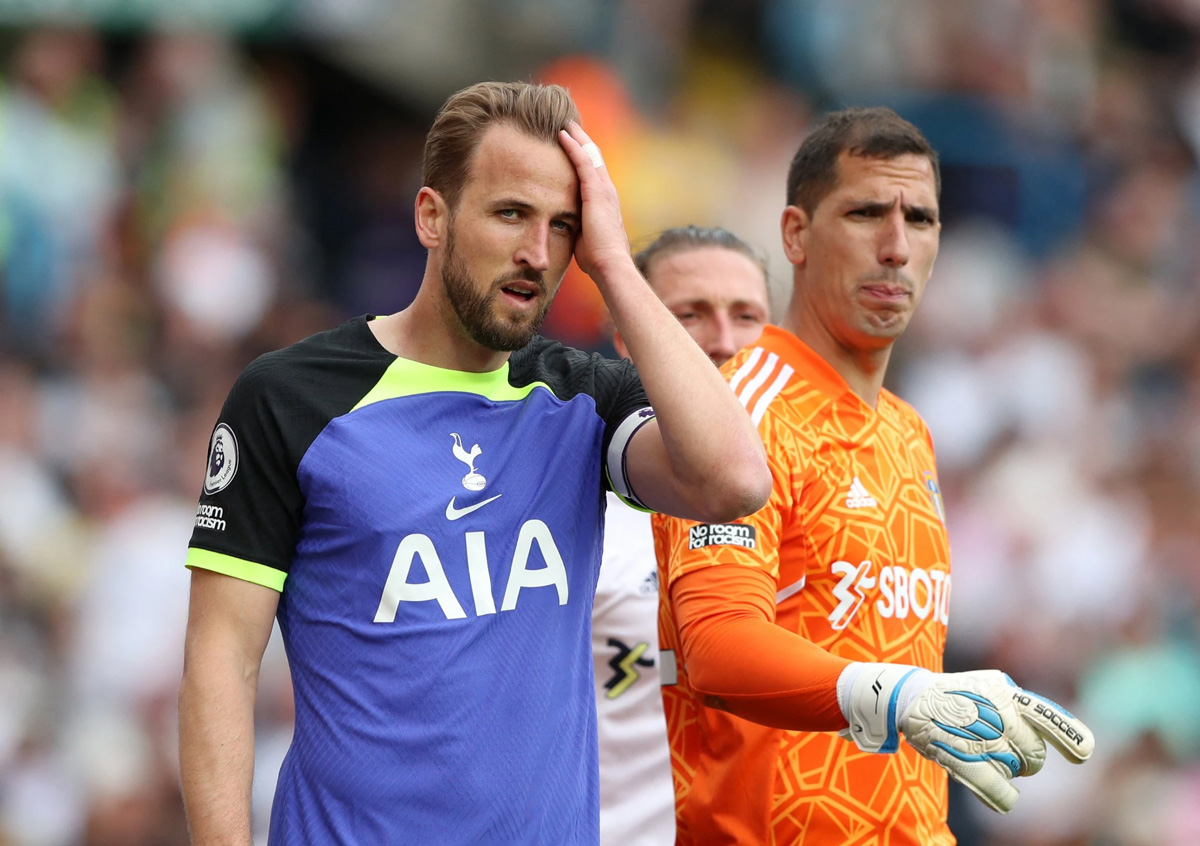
476	310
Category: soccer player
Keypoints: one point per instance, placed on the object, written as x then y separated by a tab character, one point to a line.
826	611
716	286
417	499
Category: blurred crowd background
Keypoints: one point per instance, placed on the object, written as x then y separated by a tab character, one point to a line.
187	184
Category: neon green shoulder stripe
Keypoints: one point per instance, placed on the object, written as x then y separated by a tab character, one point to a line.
405	378
636	506
247	571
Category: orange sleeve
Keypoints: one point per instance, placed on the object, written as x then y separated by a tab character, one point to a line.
741	662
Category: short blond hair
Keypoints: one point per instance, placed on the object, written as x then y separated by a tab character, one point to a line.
539	111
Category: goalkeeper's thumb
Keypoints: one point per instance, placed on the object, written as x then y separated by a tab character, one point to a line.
978	725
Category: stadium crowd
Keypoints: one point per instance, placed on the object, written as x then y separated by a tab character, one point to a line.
174	203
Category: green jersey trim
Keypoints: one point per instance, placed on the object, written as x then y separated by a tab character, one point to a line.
239	568
632	503
406	378
620	483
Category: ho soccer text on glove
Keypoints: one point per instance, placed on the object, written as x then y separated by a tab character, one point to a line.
978	725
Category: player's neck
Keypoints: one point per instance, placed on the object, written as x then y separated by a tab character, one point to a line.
863	370
423	332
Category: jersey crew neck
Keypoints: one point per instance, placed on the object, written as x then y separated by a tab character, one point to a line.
405	377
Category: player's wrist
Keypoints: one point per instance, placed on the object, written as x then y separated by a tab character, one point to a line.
613	267
874	699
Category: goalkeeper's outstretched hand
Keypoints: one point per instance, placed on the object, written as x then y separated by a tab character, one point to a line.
978	725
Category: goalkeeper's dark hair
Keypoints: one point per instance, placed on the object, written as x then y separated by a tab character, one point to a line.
876	132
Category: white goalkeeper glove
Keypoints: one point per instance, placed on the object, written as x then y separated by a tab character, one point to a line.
978	725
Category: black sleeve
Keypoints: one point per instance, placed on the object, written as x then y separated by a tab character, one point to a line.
251	503
613	384
251	508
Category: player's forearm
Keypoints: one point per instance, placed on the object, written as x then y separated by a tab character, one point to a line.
760	672
216	751
712	449
738	660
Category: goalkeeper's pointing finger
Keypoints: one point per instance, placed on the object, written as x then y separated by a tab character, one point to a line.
1061	729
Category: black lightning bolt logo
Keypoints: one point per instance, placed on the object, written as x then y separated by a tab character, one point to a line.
623	664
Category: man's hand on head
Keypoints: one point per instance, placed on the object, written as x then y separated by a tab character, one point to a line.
602	239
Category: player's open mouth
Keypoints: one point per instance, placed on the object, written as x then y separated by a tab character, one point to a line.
524	291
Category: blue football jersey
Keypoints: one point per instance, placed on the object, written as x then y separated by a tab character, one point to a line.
435	536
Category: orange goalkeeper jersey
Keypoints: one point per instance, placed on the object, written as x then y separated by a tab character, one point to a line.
854	540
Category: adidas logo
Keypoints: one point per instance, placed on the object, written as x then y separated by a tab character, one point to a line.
858	496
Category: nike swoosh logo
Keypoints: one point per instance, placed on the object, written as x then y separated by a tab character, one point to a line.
453	513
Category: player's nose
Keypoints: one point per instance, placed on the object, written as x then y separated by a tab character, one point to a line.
534	249
721	342
894	248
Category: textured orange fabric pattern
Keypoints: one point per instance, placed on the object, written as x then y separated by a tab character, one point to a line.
855	540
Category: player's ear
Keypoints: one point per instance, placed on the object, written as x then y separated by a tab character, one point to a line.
432	216
794	227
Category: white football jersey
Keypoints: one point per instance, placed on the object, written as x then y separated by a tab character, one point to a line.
637	799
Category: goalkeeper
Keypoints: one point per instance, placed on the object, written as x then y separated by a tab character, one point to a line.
825	613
